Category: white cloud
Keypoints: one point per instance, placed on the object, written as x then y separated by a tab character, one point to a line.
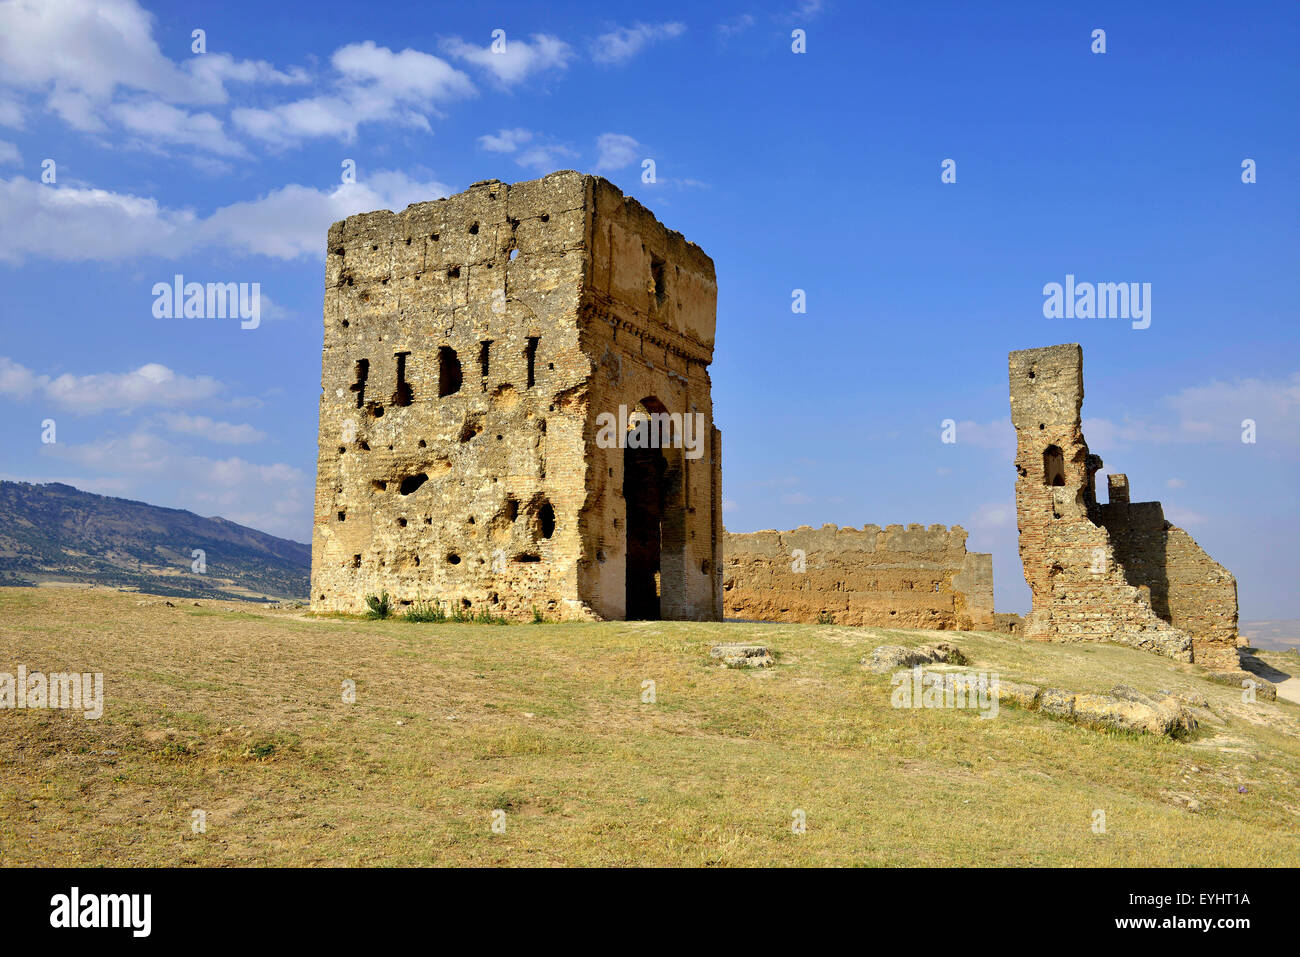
998	435
517	60
78	224
151	384
205	427
9	153
616	151
1211	413
82	53
544	158
505	141
1175	483
276	497
156	120
737	24
993	515
623	43
376	85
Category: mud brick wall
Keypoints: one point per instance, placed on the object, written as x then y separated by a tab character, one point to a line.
470	344
913	577
1187	588
1090	576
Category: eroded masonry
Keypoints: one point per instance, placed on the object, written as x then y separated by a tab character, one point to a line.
1116	571
516	410
893	577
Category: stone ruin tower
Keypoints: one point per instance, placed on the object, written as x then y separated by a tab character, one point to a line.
1111	572
476	349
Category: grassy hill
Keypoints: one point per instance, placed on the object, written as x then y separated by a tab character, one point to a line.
55	532
238	711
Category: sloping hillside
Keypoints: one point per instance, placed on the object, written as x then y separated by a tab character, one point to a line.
331	741
59	533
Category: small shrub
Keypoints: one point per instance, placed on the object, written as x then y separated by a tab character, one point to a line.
537	616
825	618
380	607
485	617
429	611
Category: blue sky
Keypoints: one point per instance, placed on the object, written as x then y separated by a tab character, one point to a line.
817	171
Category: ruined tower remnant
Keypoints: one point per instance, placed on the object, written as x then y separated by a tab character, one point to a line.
1112	572
895	577
516	409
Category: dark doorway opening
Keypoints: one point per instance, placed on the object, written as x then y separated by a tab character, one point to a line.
654	492
643	491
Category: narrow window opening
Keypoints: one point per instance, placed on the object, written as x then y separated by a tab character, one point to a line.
546	520
657	273
449	377
483	349
404	393
359	386
1053	466
530	352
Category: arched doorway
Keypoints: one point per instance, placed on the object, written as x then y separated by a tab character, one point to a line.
654	494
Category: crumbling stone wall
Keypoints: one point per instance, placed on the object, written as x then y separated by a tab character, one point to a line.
1185	586
1111	572
895	577
471	346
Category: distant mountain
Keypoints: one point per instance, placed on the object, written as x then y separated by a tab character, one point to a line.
1278	635
59	533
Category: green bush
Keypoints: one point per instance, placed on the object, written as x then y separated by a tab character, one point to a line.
429	611
380	607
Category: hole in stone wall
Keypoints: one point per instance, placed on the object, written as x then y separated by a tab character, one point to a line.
483	357
362	372
530	353
401	523
343	516
546	520
356	561
512	508
411	483
453	558
404	393
545	217
657	274
473	229
472	427
528	557
514	254
1053	466
379	485
449	378
453	272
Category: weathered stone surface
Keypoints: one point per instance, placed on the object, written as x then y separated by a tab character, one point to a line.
1020	694
475	347
742	656
1114	572
1057	702
895	657
1264	690
895	577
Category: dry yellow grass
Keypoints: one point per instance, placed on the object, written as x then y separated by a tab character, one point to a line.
239	711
